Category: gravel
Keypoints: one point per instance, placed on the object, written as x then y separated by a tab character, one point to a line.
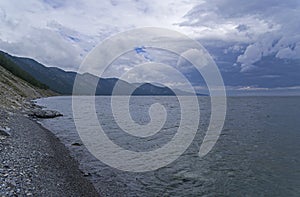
33	162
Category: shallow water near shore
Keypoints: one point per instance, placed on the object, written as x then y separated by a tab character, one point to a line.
257	154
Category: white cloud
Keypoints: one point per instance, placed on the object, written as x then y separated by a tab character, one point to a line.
270	27
289	53
157	73
46	46
60	33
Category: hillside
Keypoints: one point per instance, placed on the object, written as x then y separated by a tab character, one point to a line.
12	67
62	81
15	92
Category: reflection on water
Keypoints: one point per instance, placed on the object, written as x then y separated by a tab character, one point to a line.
258	152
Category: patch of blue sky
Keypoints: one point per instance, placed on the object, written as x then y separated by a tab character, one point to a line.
142	51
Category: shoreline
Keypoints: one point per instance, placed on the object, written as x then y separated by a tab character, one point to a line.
34	162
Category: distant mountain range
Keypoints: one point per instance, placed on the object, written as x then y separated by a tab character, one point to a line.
61	81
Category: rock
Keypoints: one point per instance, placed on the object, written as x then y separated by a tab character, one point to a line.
5	131
39	113
87	174
2	137
230	174
11	183
76	144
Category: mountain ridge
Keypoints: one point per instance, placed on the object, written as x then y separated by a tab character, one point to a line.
62	81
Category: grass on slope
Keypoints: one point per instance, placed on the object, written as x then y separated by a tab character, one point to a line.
14	69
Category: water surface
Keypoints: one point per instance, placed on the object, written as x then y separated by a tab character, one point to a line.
257	154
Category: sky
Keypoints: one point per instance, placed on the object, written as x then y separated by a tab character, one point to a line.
256	44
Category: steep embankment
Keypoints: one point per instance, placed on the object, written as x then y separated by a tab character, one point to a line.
15	92
33	162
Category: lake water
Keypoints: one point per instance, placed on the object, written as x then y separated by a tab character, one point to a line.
257	154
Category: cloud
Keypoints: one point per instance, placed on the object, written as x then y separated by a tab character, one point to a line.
270	27
157	73
242	34
65	31
142	51
48	47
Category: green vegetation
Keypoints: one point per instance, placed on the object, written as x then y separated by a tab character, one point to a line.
17	71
